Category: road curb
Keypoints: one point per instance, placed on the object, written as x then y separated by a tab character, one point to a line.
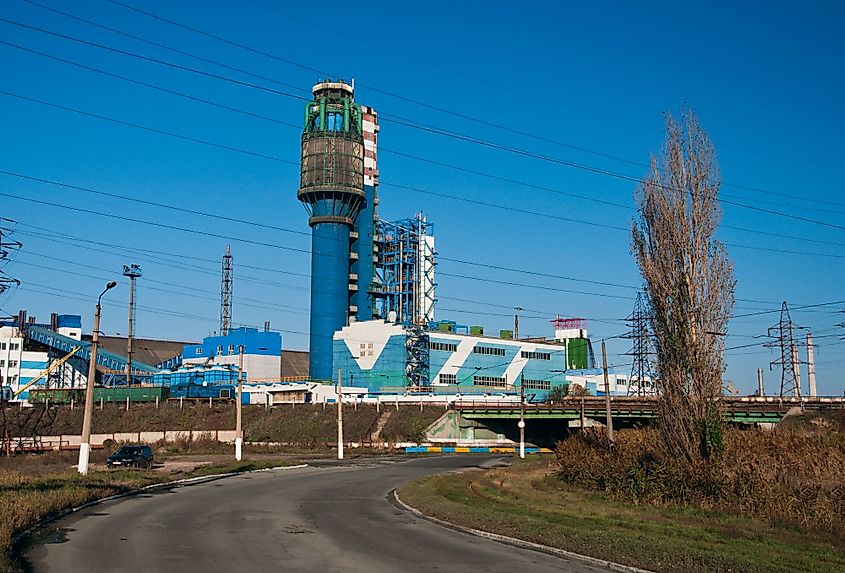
521	543
152	487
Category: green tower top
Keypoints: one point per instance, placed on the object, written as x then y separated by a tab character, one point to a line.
333	109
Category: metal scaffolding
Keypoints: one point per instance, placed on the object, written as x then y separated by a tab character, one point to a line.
405	285
417	366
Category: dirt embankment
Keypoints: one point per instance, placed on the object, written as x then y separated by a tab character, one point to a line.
300	424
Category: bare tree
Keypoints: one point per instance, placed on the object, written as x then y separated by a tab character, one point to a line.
690	285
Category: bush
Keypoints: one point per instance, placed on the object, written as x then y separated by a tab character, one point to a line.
783	476
416	431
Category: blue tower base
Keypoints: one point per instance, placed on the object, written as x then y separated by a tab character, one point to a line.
329	293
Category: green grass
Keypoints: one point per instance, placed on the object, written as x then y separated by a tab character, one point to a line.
523	502
34	491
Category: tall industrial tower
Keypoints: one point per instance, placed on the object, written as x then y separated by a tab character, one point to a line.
133	272
332	190
226	292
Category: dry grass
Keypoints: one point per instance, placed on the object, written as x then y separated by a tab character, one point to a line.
527	501
783	476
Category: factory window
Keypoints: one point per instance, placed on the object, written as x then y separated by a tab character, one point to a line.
370	353
363	345
536	384
488	350
219	350
370	345
199	350
363	353
2	362
13	363
448	378
13	346
231	349
444	346
537	355
488	381
2	346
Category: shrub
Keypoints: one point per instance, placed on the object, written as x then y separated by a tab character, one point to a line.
783	476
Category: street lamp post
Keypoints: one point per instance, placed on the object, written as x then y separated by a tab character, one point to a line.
521	423
239	432
85	445
339	416
609	421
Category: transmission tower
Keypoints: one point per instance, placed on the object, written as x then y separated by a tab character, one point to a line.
782	332
226	293
641	349
132	271
7	246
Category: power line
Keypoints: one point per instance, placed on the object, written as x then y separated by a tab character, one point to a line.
371	87
439	131
151	129
536	96
264	156
497	267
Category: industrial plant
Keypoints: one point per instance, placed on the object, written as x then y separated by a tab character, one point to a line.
372	316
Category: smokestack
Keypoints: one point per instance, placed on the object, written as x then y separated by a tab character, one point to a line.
760	390
21	321
266	326
811	365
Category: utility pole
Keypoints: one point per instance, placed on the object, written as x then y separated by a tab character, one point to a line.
226	293
239	432
516	322
85	445
609	420
339	416
811	365
521	416
133	272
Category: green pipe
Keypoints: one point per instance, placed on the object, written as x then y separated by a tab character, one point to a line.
322	114
358	114
308	114
346	115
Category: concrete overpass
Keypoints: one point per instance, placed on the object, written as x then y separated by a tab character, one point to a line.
627	411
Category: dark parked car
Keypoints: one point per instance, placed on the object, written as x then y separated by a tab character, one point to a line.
132	456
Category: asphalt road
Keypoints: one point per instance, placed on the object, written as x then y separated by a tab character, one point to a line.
323	518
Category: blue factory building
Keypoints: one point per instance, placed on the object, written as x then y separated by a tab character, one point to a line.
377	355
262	352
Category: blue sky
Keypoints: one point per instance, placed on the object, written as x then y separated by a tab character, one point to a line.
591	79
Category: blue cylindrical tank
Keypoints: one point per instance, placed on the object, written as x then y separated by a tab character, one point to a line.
329	293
